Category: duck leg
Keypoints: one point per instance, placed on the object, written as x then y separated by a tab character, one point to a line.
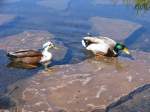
46	68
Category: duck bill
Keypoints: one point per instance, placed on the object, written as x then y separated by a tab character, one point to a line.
126	50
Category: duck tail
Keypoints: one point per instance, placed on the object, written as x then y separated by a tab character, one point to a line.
11	55
83	43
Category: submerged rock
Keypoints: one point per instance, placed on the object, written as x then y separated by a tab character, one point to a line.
87	86
31	39
27	40
5	18
114	28
137	100
56	5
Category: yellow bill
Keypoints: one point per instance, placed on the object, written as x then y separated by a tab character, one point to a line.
126	50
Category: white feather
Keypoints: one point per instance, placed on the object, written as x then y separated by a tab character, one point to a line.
95	48
100	44
83	43
47	56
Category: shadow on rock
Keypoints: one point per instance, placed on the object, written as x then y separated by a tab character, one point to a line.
21	65
10	77
137	100
6	101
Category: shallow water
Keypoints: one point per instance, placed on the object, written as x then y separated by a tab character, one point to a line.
68	21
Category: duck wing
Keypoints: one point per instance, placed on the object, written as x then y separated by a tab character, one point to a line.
100	44
108	41
101	40
24	53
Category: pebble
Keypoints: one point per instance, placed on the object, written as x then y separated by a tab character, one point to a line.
129	78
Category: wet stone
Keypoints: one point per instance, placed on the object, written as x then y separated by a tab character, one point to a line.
88	89
27	40
5	18
55	5
105	27
137	100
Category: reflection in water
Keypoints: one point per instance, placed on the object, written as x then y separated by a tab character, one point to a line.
111	61
21	65
139	5
142	5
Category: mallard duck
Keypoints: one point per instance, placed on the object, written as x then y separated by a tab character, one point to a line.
104	46
33	57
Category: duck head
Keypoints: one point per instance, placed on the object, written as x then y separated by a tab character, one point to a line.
48	45
121	47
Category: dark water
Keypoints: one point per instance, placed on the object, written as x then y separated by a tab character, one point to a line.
68	21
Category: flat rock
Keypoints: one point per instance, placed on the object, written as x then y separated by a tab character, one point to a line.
137	100
5	18
86	86
31	39
56	5
114	28
25	40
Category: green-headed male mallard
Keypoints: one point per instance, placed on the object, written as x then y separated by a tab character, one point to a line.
104	46
33	57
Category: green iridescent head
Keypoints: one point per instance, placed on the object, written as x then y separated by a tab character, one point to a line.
122	47
119	46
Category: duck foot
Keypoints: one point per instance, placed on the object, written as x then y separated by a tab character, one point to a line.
99	56
49	70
